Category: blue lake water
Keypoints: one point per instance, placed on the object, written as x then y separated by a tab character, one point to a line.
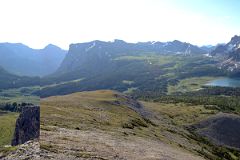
225	82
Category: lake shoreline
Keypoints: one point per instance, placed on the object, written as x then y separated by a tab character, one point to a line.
225	82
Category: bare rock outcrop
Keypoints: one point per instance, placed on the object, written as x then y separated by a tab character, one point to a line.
29	150
27	125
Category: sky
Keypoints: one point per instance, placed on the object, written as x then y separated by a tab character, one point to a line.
37	23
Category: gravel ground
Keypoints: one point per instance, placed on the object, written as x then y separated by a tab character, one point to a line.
75	144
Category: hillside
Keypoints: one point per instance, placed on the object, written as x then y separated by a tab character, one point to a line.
19	59
8	80
140	74
106	125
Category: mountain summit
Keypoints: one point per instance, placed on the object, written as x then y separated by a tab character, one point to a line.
230	53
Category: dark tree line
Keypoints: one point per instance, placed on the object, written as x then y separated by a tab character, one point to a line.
13	107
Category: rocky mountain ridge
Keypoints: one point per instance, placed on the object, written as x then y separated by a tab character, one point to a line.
103	52
230	54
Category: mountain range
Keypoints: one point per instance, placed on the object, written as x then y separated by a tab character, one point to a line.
92	53
20	59
120	65
82	53
107	65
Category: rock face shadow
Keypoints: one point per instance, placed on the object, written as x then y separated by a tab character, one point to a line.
221	129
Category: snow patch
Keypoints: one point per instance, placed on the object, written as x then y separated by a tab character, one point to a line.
165	44
153	42
208	55
92	46
188	51
238	46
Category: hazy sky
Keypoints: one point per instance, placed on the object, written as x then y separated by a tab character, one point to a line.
61	22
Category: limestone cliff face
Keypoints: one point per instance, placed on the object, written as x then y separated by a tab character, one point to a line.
27	125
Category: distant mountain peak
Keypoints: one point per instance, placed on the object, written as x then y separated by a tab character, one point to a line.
235	39
230	52
177	41
20	59
50	46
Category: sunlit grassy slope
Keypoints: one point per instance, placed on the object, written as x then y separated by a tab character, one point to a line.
7	126
84	110
102	109
107	111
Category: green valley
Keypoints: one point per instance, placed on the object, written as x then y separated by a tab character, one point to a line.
108	98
